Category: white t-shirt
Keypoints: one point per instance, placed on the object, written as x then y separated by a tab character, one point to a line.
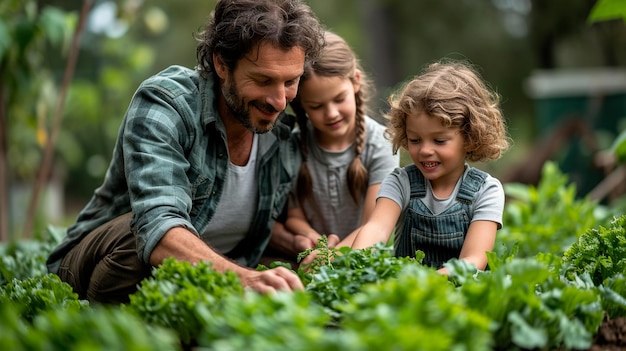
488	204
237	207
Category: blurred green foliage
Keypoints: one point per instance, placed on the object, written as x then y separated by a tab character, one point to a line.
549	213
125	41
28	34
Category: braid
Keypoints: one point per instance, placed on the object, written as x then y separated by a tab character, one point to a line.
358	176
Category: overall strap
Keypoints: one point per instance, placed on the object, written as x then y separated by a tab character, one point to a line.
470	185
417	181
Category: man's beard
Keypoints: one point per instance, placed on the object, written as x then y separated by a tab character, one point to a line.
241	111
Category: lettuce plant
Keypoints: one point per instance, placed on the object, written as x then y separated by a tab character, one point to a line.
38	294
533	306
286	321
600	251
171	296
546	218
417	310
97	328
347	271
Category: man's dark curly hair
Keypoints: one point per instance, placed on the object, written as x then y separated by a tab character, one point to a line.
236	26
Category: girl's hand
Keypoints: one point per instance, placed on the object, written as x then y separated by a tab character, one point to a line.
303	242
323	252
309	258
333	240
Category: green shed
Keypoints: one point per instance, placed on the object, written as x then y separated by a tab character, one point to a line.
575	105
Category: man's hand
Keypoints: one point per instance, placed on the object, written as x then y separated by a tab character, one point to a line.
271	280
183	245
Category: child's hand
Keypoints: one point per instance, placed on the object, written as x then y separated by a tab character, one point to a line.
333	240
306	261
303	243
321	254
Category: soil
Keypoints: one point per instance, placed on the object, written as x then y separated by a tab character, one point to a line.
611	336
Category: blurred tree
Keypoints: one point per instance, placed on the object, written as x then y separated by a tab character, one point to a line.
128	40
396	39
549	25
609	16
125	42
561	38
27	88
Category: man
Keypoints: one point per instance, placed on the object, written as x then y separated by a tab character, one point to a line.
203	162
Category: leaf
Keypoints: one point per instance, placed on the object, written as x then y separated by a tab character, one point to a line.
614	295
53	24
619	147
524	334
605	10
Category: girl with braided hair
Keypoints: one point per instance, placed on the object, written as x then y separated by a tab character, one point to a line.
344	152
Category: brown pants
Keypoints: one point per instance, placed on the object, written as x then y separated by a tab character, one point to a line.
104	266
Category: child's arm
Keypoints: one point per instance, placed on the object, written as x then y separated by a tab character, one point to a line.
368	208
480	238
287	242
380	224
377	229
298	225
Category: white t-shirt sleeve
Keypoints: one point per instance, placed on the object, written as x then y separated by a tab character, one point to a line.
396	187
489	204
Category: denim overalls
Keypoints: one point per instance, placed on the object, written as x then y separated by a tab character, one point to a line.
440	236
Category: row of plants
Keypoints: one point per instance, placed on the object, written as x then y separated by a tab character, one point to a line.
539	293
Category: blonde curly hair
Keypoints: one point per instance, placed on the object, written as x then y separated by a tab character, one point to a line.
455	93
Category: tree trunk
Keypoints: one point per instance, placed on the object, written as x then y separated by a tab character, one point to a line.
46	165
4	194
380	50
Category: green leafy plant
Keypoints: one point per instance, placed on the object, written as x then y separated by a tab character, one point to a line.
533	306
600	251
22	259
38	294
171	296
619	147
324	255
350	270
417	310
605	10
545	218
98	329
272	322
614	296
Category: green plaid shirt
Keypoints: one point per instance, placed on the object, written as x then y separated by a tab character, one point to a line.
169	165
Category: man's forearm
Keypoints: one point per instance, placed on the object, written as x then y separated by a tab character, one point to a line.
184	245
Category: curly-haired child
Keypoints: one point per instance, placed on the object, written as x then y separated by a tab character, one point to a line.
444	118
